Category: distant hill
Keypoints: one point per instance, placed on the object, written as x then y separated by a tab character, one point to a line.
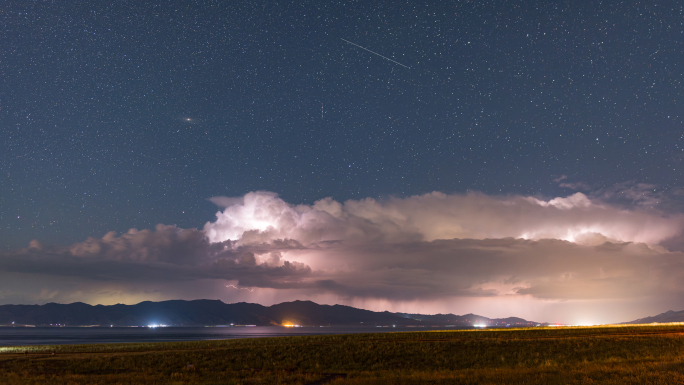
213	312
668	316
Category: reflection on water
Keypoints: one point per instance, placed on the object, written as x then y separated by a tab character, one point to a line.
95	335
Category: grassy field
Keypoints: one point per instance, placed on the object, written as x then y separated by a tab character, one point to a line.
587	355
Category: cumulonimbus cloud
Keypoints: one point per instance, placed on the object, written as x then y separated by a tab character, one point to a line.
427	247
264	217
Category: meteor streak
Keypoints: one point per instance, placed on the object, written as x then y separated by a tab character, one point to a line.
384	57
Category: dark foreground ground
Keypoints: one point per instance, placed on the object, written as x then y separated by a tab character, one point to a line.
606	355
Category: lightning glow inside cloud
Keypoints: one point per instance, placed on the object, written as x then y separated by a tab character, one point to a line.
264	217
432	253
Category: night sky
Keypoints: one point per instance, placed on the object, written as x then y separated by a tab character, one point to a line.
527	118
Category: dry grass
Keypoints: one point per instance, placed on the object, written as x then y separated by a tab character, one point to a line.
634	354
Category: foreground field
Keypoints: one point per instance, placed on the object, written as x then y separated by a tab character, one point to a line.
607	355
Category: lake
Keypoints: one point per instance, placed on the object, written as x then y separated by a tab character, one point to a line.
18	336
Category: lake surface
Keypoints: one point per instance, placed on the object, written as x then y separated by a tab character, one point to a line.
99	335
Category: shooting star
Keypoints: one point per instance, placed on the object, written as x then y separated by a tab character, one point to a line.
384	57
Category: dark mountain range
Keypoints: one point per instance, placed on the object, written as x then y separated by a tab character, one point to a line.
214	312
668	316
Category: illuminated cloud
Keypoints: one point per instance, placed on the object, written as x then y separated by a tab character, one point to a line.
166	254
434	248
263	217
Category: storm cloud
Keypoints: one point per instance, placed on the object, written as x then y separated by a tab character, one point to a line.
432	248
263	217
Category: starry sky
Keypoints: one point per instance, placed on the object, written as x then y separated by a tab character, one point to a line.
147	115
